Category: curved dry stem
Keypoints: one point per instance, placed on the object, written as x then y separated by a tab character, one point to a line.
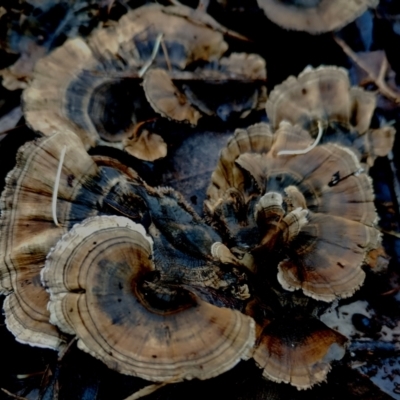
307	149
147	65
56	185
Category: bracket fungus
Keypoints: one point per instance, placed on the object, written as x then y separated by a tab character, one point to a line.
324	94
298	350
101	291
316	209
314	16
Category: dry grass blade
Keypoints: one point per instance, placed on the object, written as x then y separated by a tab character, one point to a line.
14	396
147	390
309	148
377	79
56	185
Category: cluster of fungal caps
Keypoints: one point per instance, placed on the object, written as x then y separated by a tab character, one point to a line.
89	249
156	61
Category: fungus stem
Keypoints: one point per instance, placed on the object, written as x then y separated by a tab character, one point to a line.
147	65
307	149
56	185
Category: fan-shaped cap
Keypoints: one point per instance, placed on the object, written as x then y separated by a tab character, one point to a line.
233	87
314	16
101	288
298	350
257	138
166	99
145	145
28	230
327	256
324	94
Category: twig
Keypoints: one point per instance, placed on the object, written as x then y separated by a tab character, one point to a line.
56	185
26	376
379	80
14	396
307	149
396	184
147	65
203	5
146	391
165	51
392	291
65	350
390	233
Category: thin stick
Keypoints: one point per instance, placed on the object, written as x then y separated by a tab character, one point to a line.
147	65
65	350
378	80
307	149
396	184
146	391
390	233
203	5
165	51
26	376
56	185
14	396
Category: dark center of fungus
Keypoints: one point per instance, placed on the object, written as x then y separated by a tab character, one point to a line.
161	298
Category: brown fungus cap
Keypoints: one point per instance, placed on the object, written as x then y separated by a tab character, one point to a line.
166	99
298	350
256	139
327	257
28	230
232	87
324	94
101	289
145	144
314	16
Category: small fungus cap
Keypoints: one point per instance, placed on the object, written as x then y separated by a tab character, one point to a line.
324	95
99	277
314	16
166	99
298	351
